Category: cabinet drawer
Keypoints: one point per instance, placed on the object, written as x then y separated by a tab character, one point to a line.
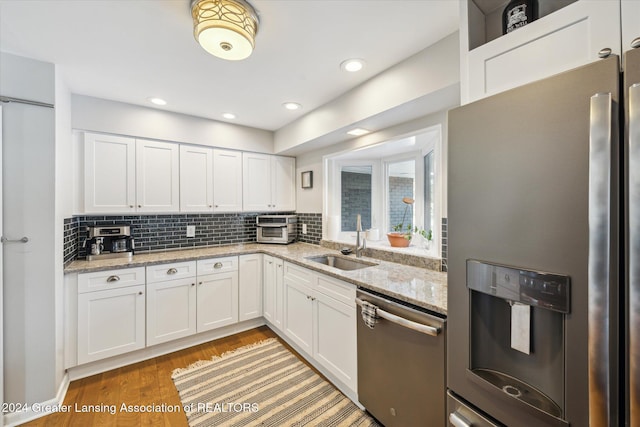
171	271
110	279
217	265
297	274
337	289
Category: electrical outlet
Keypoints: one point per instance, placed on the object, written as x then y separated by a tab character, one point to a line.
304	228
191	231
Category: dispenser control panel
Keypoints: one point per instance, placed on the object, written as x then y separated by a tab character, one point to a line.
534	288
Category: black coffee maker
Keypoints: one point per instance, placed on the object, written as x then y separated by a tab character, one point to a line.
109	241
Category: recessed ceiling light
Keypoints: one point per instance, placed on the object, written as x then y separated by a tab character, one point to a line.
352	65
229	116
157	101
358	132
292	106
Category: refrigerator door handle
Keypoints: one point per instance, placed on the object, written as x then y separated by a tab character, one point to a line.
600	140
634	253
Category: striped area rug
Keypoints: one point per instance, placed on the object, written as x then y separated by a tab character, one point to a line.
262	384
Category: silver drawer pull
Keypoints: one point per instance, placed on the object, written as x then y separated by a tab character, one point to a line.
172	271
458	420
217	265
113	278
5	240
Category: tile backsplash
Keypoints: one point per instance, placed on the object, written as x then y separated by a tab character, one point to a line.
314	227
161	232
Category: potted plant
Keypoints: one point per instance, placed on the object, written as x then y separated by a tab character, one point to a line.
401	235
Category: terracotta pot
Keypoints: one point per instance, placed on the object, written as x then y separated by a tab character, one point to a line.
398	240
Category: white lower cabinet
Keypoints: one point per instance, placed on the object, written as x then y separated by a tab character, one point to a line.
111	313
273	290
249	287
217	293
320	318
171	310
298	318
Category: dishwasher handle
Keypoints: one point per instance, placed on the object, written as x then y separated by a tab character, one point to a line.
419	327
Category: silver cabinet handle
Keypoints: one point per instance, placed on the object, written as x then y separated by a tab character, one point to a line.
131	206
635	43
193	284
172	271
634	244
419	327
217	265
113	279
139	206
458	420
5	240
140	293
604	52
600	140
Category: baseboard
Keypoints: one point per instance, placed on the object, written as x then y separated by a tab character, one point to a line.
38	410
100	366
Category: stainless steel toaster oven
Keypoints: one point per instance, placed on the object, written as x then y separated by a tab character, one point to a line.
276	228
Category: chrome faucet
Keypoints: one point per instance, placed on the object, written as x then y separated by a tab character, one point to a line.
359	247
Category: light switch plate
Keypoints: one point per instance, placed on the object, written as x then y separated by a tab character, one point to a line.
304	228
191	231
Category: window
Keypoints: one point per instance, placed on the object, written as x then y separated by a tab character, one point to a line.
373	180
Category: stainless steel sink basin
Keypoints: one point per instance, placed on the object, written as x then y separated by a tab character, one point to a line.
341	263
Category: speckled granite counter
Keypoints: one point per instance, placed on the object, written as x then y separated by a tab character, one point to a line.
419	286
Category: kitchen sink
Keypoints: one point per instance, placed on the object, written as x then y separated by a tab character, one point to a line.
341	263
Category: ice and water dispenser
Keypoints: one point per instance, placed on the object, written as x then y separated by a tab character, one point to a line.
517	334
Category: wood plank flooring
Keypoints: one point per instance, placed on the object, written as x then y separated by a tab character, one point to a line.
144	383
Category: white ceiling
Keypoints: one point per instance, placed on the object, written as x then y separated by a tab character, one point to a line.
129	50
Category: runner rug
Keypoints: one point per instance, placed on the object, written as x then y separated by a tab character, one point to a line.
262	384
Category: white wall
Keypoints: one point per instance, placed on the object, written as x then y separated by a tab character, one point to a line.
29	210
101	115
430	71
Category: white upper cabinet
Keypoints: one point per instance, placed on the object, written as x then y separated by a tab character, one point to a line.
283	190
109	174
196	179
227	181
268	182
568	34
157	176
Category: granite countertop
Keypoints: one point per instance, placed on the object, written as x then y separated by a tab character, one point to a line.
419	286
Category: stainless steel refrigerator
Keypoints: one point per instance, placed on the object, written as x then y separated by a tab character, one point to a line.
544	252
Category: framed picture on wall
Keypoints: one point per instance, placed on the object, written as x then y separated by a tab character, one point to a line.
307	179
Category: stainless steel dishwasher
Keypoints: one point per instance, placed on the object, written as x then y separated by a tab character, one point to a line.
401	364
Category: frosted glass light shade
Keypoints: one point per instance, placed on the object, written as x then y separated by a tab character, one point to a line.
225	28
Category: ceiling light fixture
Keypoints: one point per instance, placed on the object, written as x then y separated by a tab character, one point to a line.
225	28
358	132
292	106
229	116
352	65
157	101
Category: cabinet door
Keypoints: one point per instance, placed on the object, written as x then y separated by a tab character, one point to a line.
157	176
250	287
110	322
283	185
278	319
196	179
298	316
217	300
227	181
630	10
567	38
256	182
269	288
171	310
335	338
109	174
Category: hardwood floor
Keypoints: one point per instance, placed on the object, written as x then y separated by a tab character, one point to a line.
144	383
